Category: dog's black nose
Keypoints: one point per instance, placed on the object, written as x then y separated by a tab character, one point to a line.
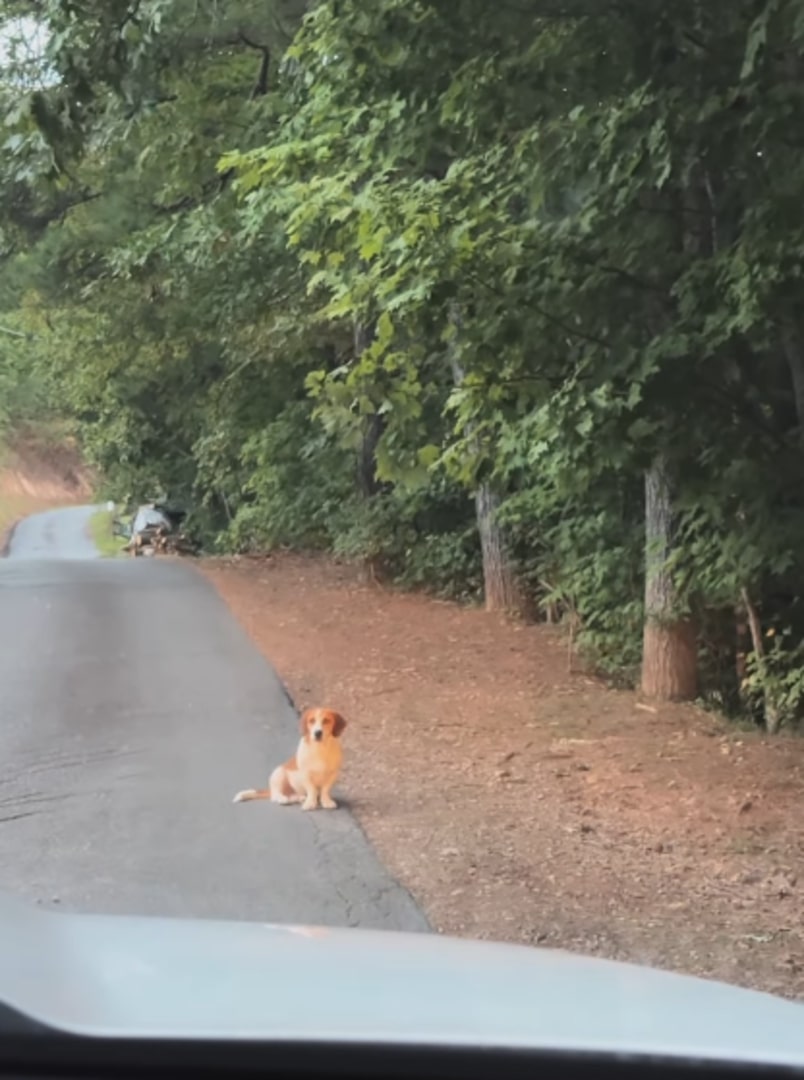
317	734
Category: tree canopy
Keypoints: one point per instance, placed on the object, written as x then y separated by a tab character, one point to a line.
500	299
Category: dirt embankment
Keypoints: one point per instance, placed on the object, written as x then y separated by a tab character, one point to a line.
43	469
39	473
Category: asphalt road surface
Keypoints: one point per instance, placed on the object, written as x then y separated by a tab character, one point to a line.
56	534
132	708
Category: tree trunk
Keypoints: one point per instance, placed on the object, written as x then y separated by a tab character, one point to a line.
773	719
367	483
794	354
669	647
370	569
373	426
501	588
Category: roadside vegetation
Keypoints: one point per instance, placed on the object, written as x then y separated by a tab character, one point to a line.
499	301
101	529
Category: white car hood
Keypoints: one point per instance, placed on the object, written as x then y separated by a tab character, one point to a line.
171	978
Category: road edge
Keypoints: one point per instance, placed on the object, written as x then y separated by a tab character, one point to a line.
428	926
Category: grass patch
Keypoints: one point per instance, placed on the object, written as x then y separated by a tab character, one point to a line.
103	537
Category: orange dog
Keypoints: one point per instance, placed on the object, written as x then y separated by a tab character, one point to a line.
312	772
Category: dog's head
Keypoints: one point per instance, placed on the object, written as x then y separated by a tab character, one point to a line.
319	725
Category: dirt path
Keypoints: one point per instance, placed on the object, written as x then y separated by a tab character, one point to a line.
520	803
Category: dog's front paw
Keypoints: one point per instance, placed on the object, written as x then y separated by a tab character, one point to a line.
329	804
309	804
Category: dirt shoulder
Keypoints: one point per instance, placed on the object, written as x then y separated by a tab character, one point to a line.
519	802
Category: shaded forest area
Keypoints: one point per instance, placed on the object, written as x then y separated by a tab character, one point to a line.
500	300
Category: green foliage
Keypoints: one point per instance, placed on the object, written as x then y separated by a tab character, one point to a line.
423	538
101	530
584	557
568	239
779	678
296	488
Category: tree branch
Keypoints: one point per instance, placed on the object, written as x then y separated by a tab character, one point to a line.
190	202
30	220
260	88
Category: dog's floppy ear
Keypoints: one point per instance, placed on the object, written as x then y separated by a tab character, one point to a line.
304	720
338	724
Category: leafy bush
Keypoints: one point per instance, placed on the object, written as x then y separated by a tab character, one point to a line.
583	558
298	487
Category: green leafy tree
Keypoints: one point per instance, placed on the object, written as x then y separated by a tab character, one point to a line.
475	293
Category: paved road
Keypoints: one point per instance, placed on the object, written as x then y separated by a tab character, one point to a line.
132	708
56	534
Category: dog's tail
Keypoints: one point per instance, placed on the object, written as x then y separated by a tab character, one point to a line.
252	793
